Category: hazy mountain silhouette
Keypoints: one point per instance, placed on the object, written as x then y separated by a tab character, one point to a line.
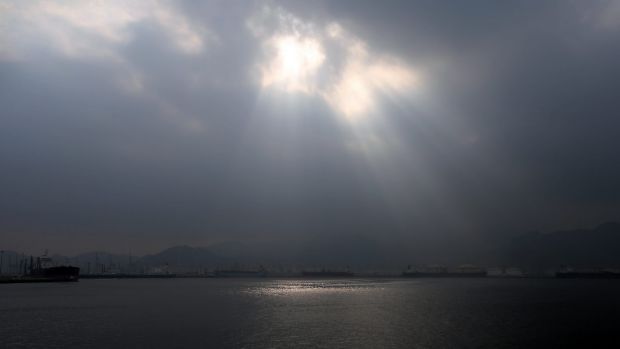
102	257
598	247
534	251
183	256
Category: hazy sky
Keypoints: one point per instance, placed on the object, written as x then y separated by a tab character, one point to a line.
144	124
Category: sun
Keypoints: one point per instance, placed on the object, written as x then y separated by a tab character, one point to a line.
294	64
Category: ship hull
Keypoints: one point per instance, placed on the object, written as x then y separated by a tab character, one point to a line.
35	279
53	274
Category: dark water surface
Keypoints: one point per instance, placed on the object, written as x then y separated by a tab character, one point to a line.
269	313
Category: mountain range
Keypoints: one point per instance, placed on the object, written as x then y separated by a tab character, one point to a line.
535	251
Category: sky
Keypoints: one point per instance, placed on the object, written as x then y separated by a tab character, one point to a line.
146	124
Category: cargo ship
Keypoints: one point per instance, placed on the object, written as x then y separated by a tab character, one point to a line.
465	270
43	270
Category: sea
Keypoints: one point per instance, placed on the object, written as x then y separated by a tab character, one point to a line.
312	313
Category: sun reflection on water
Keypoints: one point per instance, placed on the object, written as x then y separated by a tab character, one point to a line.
312	287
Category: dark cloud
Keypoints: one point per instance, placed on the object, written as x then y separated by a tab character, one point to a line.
145	136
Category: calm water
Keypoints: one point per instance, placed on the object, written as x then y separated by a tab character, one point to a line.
240	313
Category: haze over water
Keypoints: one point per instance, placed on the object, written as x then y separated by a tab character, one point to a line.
269	313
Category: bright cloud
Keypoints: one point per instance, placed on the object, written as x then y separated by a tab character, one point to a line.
363	78
92	28
350	77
